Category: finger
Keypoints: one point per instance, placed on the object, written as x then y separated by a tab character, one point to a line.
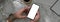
28	7
23	17
38	13
20	17
37	17
21	10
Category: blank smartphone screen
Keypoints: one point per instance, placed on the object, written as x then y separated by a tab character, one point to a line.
33	11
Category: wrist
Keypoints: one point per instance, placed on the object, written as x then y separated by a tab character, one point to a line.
11	18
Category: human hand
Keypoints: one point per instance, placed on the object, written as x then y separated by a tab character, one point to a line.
37	17
19	13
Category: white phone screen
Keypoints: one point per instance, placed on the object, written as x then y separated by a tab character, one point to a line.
33	11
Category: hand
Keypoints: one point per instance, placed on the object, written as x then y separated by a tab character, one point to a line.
19	15
37	17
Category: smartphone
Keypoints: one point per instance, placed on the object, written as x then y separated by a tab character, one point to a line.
33	11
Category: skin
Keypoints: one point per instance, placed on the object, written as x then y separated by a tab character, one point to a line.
18	15
37	17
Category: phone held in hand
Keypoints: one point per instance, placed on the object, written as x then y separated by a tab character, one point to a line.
33	11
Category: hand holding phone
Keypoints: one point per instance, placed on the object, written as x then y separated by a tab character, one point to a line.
33	11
